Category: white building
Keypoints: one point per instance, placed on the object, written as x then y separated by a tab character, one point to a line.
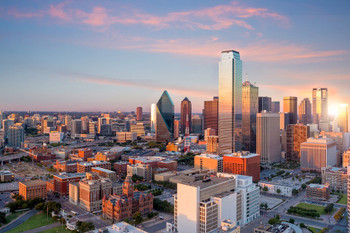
120	227
286	189
201	206
56	137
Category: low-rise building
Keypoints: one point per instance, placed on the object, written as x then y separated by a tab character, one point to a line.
280	188
346	158
126	136
277	228
120	227
105	173
155	162
120	167
336	178
319	192
106	156
212	144
210	162
61	182
139	169
33	189
65	166
6	176
86	166
85	153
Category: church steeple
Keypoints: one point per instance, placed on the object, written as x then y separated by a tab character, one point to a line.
128	187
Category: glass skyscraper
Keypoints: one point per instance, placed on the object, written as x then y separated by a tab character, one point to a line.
305	111
186	111
290	104
164	118
250	107
230	102
153	117
320	105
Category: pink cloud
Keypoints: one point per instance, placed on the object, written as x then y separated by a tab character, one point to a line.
97	17
58	11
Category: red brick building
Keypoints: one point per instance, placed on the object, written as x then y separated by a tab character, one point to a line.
120	167
85	153
242	163
86	166
65	166
61	182
155	162
32	189
117	208
319	192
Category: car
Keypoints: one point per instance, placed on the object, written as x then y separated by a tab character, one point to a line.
161	217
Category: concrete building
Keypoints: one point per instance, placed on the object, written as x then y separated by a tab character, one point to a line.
120	167
264	104
242	163
212	144
139	116
138	128
340	140
185	114
15	136
296	134
61	182
305	116
320	192
156	162
120	227
176	129
86	166
6	176
139	169
65	166
277	228
336	178
126	136
268	144
320	105
209	132
211	114
208	162
317	153
56	137
202	205
346	158
275	107
33	189
285	188
105	173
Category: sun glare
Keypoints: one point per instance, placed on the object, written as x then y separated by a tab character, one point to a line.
333	110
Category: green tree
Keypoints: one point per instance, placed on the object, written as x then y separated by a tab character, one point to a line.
302	225
291	220
137	218
295	192
278	191
303	186
272	221
328	209
265	189
2	217
85	226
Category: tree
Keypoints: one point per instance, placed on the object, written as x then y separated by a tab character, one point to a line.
303	186
265	189
137	217
278	191
328	209
278	217
295	192
291	220
85	226
2	217
272	221
302	225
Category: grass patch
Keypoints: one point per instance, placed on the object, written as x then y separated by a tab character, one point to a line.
33	222
57	230
343	199
11	217
314	229
318	208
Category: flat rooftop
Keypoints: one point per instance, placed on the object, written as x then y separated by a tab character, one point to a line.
102	170
211	181
92	163
34	182
70	175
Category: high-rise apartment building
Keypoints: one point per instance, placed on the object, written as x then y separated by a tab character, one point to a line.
186	114
296	134
15	136
210	162
201	205
343	118
92	127
275	106
317	153
290	104
164	127
211	114
268	144
139	114
250	106
264	104
243	163
305	116
6	125
320	105
230	102
68	122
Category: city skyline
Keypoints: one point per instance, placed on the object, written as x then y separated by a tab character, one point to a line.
82	58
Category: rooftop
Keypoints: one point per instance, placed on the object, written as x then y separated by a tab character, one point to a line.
64	175
103	170
34	182
92	163
211	156
242	154
319	186
210	181
120	227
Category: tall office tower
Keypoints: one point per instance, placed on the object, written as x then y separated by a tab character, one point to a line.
275	106
290	104
250	106
305	112
296	134
76	127
186	111
92	127
230	102
15	136
164	118
68	122
197	124
85	124
211	114
316	153
139	114
6	124
319	105
176	129
153	117
268	144
102	121
264	104
343	118
285	119
200	206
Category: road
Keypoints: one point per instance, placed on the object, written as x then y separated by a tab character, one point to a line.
18	221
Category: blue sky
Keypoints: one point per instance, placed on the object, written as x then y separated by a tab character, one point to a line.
117	55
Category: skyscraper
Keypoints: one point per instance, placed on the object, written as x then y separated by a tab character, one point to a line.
275	106
153	117
186	113
176	129
305	112
211	114
230	102
343	118
296	134
164	126
15	136
320	105
264	103
139	113
250	107
268	144
290	104
76	127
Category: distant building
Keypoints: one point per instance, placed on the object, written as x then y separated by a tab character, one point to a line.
210	114
320	105
343	118
120	167
6	176
56	137
320	192
296	134
340	141
283	227
104	173
61	182
290	105
139	114
186	114
346	158
142	170
305	116
212	144
138	128
336	178
32	189
126	136
197	124
15	136
268	144
176	129
164	127
65	166
242	163
275	107
264	104
155	162
120	227
318	153
285	119
76	127
208	162
86	166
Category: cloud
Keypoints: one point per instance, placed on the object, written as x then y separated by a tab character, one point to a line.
58	11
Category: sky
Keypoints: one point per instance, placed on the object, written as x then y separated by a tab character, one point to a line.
117	55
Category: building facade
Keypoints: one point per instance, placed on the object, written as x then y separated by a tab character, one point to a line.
320	192
164	125
242	163
264	104
139	114
33	189
290	104
320	105
208	162
186	115
336	178
211	114
296	134
305	116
